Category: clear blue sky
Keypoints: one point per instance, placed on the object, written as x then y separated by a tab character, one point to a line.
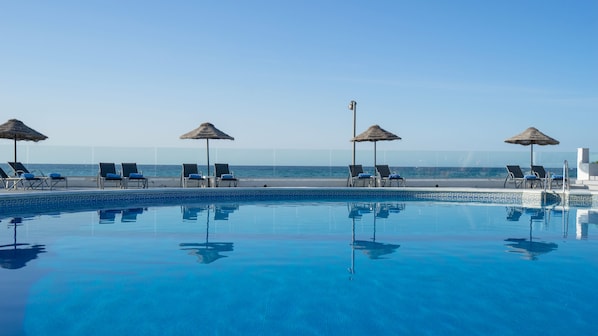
443	75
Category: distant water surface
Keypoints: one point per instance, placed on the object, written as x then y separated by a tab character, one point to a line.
310	172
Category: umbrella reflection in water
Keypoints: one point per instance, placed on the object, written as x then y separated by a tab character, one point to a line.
207	252
15	257
371	248
530	248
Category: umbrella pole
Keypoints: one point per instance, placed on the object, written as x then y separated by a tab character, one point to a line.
353	107
15	148
208	154
374	154
531	159
375	180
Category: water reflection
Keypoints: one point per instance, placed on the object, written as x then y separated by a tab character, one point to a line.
207	252
190	213
372	248
108	216
222	211
17	255
130	215
529	247
514	213
584	218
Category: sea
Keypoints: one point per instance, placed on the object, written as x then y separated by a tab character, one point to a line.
291	172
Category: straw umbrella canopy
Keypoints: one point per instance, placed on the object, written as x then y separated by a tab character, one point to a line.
530	137
17	130
207	131
374	134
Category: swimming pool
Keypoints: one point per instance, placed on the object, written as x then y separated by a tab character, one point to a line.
301	267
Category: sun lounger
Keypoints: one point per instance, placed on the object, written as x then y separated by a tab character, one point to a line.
32	181
191	174
549	180
54	178
108	173
131	174
358	177
515	176
384	176
9	182
28	180
223	174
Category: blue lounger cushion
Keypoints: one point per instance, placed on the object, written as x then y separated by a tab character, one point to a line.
54	175
195	177
28	176
557	177
394	177
136	175
364	175
112	176
530	177
227	177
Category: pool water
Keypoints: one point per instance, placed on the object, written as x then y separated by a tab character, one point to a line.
301	268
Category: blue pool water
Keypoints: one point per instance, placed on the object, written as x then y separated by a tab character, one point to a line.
301	268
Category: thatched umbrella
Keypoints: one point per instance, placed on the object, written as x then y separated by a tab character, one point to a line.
374	134
531	137
207	131
16	130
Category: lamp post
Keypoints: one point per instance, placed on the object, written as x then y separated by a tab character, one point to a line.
353	107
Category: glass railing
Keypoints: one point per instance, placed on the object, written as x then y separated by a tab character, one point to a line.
283	163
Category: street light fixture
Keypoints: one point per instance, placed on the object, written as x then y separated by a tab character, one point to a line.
353	107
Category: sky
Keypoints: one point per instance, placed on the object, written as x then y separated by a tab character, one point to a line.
442	75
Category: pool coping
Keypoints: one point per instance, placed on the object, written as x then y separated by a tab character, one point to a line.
76	200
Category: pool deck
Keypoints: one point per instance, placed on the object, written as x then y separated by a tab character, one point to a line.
90	182
83	193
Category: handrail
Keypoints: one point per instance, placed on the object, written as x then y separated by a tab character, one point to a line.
565	176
